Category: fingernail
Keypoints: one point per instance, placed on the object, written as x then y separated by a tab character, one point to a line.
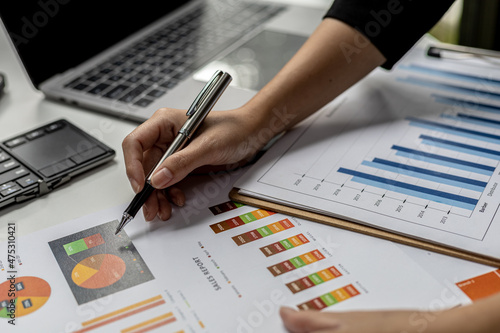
161	178
287	310
134	184
178	202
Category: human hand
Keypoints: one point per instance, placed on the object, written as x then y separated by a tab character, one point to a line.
225	138
311	321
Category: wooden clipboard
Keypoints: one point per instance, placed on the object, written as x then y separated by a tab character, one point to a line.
367	230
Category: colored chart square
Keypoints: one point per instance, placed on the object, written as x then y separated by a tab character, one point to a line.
295	286
334	271
303	238
286	224
247	218
286	244
94	240
340	294
326	275
295	241
260	214
315	278
288	265
216	210
278	269
314	304
264	231
267	250
318	303
253	235
308	258
306	281
318	255
237	204
297	262
276	227
351	290
235	222
218	227
230	205
75	247
328	299
278	247
239	240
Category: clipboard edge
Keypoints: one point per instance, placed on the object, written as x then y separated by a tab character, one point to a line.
363	229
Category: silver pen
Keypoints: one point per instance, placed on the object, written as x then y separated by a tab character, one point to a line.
198	111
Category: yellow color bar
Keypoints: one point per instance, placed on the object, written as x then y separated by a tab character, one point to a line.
148	322
120	311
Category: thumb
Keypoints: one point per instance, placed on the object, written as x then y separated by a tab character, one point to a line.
176	167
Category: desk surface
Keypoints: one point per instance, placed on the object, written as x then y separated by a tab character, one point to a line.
23	108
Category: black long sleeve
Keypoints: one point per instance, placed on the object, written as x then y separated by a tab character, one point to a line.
393	26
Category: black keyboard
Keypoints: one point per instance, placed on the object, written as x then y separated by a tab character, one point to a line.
34	163
150	68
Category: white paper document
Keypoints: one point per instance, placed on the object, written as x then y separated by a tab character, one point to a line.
216	266
414	151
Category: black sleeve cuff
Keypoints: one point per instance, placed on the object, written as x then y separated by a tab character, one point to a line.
393	26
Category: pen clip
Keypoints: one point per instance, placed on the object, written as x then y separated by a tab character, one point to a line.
204	93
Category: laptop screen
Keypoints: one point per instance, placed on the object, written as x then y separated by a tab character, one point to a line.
52	36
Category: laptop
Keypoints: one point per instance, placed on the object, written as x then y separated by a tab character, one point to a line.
128	59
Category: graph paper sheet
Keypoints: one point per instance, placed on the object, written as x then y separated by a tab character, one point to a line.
215	266
415	151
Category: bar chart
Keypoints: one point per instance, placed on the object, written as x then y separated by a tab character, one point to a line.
418	155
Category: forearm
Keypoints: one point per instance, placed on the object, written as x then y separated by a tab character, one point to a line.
334	58
482	316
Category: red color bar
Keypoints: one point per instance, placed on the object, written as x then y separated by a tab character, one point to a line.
93	241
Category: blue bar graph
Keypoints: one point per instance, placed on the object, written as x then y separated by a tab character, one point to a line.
444	160
464	132
451	87
410	189
452	75
460	147
435	176
467	104
473	120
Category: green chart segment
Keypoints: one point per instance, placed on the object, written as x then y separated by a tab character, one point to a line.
83	244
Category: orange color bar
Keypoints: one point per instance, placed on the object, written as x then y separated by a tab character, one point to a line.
117	316
117	312
340	294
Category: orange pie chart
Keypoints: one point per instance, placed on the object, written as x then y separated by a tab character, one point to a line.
98	271
31	293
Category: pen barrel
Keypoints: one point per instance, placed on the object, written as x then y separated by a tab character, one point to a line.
179	142
139	199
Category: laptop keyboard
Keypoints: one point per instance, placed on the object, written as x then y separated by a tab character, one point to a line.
150	68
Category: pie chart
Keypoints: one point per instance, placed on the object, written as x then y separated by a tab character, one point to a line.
30	295
98	271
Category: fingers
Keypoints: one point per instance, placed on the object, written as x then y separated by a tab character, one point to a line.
308	321
145	143
179	165
158	204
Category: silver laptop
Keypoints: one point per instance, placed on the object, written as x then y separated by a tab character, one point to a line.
128	59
